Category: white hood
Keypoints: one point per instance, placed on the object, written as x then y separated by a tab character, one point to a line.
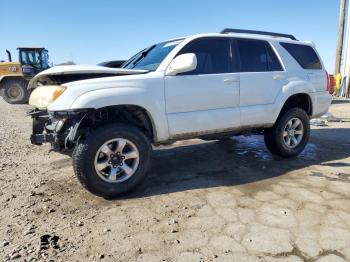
84	69
88	70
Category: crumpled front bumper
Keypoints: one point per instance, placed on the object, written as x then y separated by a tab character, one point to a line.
58	129
40	120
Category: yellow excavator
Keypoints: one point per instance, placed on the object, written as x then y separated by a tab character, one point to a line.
14	76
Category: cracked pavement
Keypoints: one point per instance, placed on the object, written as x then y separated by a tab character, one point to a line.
202	201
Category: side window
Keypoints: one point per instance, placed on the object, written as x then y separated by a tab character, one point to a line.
24	59
253	55
213	55
305	55
257	56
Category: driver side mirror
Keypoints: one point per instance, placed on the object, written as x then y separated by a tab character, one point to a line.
182	64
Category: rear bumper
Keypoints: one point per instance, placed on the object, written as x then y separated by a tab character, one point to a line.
321	102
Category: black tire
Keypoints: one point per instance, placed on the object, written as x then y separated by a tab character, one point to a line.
14	91
274	139
84	158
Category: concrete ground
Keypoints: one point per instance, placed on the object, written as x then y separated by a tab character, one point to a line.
202	201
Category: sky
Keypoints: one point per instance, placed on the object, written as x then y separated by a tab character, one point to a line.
91	31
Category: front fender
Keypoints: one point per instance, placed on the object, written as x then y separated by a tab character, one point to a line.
112	96
149	99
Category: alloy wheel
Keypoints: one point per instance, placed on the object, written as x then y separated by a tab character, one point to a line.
117	160
293	133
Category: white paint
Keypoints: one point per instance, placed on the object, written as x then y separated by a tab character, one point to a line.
196	103
76	69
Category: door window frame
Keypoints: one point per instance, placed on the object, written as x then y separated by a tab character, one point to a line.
231	63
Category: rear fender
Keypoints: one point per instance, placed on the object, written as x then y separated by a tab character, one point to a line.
292	88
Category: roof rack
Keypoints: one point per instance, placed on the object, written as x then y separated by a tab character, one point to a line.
253	32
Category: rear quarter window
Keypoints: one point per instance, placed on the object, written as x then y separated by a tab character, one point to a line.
305	55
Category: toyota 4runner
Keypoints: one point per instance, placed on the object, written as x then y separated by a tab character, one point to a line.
208	86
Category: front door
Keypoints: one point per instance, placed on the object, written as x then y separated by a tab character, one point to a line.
205	100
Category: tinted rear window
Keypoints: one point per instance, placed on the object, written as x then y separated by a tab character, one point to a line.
304	55
257	56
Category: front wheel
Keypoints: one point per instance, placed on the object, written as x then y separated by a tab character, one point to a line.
112	160
290	134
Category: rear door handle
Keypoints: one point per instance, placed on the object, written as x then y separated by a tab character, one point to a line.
230	80
278	77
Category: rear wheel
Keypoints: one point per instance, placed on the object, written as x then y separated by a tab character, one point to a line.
290	134
14	91
112	160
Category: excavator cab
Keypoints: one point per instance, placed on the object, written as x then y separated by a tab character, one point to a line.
33	60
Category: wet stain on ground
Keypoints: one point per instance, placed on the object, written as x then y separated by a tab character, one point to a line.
342	177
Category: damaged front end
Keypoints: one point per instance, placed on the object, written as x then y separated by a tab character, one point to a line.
60	129
62	126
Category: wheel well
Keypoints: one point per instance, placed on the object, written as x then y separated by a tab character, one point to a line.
130	114
302	101
8	78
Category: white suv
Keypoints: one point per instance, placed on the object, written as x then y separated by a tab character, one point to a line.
208	86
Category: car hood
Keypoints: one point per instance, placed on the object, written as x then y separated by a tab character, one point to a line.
70	73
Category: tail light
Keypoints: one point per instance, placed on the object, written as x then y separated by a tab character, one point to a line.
329	84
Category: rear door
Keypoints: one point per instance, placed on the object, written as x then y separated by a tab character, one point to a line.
207	99
261	80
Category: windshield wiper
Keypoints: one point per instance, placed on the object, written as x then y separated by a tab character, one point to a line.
143	55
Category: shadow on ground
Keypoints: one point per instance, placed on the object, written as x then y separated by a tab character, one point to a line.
340	101
239	161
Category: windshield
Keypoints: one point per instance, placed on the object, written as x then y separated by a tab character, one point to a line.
151	57
30	58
